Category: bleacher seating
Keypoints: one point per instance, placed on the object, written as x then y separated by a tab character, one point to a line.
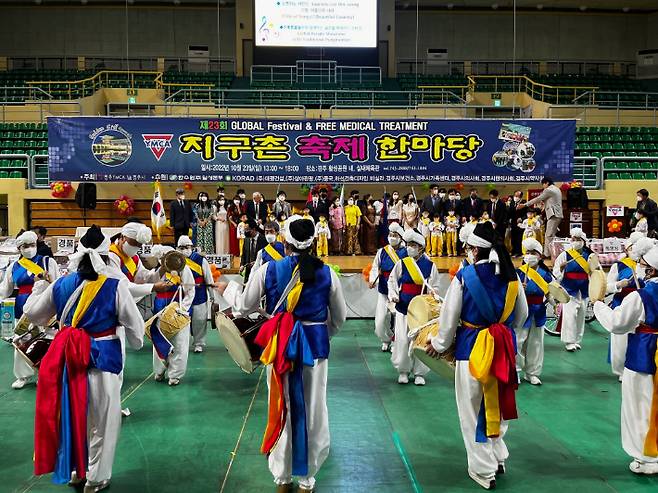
21	138
634	144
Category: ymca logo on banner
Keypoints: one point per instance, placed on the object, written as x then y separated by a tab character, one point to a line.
157	143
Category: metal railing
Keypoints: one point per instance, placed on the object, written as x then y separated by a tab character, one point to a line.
616	99
24	157
40	109
522	83
582	173
306	71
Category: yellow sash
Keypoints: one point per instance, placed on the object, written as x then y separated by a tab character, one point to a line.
479	363
629	262
390	251
535	277
194	266
171	278
575	254
125	259
88	294
30	266
651	440
295	293
273	252
414	271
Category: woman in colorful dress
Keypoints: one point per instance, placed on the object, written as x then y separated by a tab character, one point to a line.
235	210
204	213
222	229
337	225
410	212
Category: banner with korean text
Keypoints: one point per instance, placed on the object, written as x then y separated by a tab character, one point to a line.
309	151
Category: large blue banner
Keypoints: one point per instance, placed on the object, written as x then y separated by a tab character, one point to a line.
309	151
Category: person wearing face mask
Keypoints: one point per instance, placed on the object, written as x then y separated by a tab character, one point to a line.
170	358
222	227
433	202
515	218
322	236
352	224
572	270
410	212
21	275
637	316
452	226
382	265
123	257
621	282
181	216
452	203
535	277
204	213
337	226
648	209
410	276
552	199
484	307
254	242
90	306
281	206
641	223
497	212
394	208
436	228
234	213
274	249
243	197
203	281
472	206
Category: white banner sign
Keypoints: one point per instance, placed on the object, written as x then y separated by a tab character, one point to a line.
615	211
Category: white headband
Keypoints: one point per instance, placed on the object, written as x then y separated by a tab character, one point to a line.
26	238
138	232
300	245
395	227
532	245
184	241
411	236
94	254
476	241
651	257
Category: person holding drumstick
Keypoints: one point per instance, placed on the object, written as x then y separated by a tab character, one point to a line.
21	275
382	265
203	280
637	316
409	277
181	289
535	277
484	306
86	355
273	250
622	281
305	299
572	269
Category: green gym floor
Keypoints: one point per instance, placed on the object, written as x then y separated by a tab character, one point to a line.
204	435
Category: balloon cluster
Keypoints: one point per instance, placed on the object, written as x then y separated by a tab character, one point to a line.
61	189
124	205
614	226
216	273
187	185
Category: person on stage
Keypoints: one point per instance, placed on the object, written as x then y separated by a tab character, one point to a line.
203	281
273	250
78	403
436	236
181	289
409	278
535	277
622	281
21	275
382	265
572	270
306	299
484	306
323	235
452	226
352	224
637	316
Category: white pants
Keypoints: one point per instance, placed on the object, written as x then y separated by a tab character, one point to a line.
104	423
483	458
530	350
383	319
199	324
573	320
21	368
317	424
618	345
636	395
402	361
177	362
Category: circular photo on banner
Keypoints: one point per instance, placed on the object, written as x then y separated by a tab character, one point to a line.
500	159
510	146
528	165
112	148
526	150
514	162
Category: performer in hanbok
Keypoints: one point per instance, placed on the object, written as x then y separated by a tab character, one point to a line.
204	282
622	281
410	276
21	275
382	265
172	358
572	269
274	250
78	404
484	306
535	277
637	316
306	299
